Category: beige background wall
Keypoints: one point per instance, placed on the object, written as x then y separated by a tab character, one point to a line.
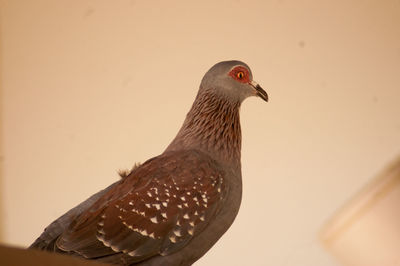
89	87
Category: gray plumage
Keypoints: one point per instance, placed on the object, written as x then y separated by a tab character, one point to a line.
174	207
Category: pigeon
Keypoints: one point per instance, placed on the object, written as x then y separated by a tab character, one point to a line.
174	207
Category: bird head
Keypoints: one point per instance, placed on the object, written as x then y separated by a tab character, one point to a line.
233	80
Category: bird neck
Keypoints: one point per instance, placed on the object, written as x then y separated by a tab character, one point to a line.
212	126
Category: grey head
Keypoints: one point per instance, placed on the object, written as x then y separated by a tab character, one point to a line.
232	80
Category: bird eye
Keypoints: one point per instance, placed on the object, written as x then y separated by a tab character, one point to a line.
240	73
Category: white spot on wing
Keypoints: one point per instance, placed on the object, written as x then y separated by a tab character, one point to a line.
177	232
100	238
132	253
154	220
115	248
144	232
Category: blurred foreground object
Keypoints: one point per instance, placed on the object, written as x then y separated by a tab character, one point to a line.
366	231
21	257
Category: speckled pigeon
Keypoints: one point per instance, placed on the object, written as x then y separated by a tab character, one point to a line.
174	207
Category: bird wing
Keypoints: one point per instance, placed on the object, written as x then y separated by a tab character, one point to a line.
50	234
46	240
157	209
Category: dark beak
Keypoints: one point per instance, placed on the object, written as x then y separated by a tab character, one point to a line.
259	91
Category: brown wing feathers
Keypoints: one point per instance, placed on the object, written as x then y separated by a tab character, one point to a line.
166	205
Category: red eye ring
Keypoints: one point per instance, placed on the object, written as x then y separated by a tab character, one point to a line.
240	74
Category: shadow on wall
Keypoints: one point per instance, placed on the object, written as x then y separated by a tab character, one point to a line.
366	230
